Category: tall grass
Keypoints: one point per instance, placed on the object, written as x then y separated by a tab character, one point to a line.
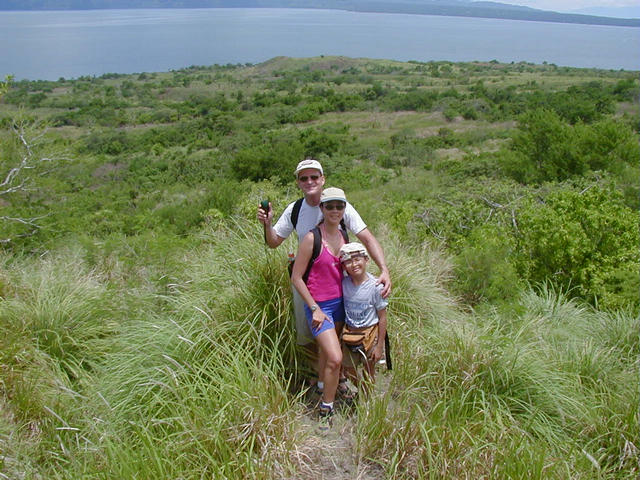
53	313
199	384
109	376
549	393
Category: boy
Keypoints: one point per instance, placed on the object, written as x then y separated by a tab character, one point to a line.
366	314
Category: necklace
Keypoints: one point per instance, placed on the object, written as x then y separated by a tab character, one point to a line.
332	242
328	235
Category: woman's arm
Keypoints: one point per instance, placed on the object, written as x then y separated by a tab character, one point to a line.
299	267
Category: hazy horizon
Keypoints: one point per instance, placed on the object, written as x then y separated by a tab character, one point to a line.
604	8
623	9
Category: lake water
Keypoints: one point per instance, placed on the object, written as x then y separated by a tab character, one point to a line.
53	44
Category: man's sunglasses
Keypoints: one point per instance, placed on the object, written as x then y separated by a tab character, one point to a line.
304	178
331	206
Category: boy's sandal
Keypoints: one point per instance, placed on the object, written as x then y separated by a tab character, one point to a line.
344	390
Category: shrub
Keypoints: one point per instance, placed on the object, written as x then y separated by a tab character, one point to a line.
548	144
485	269
548	149
584	241
275	160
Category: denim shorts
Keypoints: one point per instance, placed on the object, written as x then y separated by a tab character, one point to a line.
334	309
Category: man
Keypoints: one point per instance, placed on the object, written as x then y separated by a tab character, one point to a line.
310	179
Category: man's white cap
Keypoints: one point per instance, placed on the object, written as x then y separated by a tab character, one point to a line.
308	163
350	249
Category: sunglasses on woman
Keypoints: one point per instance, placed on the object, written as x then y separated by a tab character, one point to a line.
331	206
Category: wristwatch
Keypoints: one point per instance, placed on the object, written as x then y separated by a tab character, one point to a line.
313	308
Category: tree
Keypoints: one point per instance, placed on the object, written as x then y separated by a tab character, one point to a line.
548	144
22	161
4	85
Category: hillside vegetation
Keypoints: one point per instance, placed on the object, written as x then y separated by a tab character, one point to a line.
147	333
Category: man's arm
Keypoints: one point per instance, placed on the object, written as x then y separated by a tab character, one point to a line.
375	252
271	238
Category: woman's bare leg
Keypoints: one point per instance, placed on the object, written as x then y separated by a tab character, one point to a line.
331	354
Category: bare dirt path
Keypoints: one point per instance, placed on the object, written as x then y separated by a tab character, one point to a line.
334	452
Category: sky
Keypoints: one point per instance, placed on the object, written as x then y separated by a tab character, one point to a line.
569	5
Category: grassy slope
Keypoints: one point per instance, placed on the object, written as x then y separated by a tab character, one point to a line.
189	381
151	356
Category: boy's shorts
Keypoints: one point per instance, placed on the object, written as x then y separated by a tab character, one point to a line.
334	309
352	359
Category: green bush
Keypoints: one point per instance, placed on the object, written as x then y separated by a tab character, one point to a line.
485	269
548	149
584	241
274	160
547	143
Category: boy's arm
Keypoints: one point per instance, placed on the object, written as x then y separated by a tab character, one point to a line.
375	252
382	332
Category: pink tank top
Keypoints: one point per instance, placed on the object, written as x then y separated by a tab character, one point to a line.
325	277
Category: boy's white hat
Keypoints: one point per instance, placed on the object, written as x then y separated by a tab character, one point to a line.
350	249
308	163
332	193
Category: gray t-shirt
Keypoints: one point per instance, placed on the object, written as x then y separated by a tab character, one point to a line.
362	302
310	216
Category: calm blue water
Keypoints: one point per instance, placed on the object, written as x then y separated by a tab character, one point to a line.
50	45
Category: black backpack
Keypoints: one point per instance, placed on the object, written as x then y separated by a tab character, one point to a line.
295	213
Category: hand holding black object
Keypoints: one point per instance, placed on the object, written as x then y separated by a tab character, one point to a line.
266	208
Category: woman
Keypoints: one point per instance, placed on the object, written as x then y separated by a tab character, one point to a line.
321	291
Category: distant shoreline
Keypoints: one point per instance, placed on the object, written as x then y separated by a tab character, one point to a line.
455	9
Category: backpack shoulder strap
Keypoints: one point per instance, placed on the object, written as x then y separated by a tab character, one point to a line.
344	232
295	212
387	350
317	245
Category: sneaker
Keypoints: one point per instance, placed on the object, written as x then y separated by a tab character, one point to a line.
324	417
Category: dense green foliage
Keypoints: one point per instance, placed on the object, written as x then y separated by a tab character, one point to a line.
166	151
547	149
138	309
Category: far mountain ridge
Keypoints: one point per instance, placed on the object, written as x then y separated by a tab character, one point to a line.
456	8
614	12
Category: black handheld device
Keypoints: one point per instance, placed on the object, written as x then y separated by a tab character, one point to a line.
264	205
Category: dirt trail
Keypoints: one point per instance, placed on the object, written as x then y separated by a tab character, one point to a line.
334	452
